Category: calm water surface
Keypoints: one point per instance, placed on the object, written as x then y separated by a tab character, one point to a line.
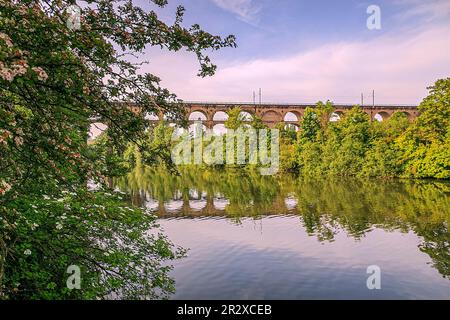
253	237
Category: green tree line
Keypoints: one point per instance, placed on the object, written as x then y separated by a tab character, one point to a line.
357	146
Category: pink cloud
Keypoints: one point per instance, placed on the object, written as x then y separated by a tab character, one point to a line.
397	66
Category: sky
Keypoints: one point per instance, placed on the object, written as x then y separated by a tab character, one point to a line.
300	51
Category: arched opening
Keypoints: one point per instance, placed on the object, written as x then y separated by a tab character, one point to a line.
245	116
291	117
220	116
219	129
197	128
271	116
196	195
152	204
381	116
290	202
177	131
336	116
220	203
197	205
197	200
173	205
407	114
197	116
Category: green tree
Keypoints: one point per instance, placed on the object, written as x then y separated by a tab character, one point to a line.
383	157
324	111
353	133
426	143
257	123
54	81
235	119
309	126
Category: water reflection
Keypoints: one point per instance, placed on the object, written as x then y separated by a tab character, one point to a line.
354	222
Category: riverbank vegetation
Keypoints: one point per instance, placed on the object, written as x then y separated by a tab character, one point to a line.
354	145
396	147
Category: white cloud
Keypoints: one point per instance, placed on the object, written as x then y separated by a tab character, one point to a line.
427	10
245	10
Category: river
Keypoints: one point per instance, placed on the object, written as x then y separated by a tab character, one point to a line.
261	237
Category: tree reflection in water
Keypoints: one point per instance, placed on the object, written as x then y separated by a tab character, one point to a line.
324	205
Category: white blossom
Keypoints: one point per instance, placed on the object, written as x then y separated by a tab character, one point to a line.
42	75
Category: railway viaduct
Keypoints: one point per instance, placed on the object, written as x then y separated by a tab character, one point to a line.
212	114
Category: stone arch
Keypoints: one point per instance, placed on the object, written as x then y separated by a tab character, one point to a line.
173	205
220	203
340	113
197	200
219	129
336	116
291	202
193	128
407	114
246	115
271	116
198	115
177	131
292	116
381	116
220	116
197	205
152	204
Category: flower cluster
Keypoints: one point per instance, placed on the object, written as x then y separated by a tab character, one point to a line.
42	75
4	136
15	64
4	187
